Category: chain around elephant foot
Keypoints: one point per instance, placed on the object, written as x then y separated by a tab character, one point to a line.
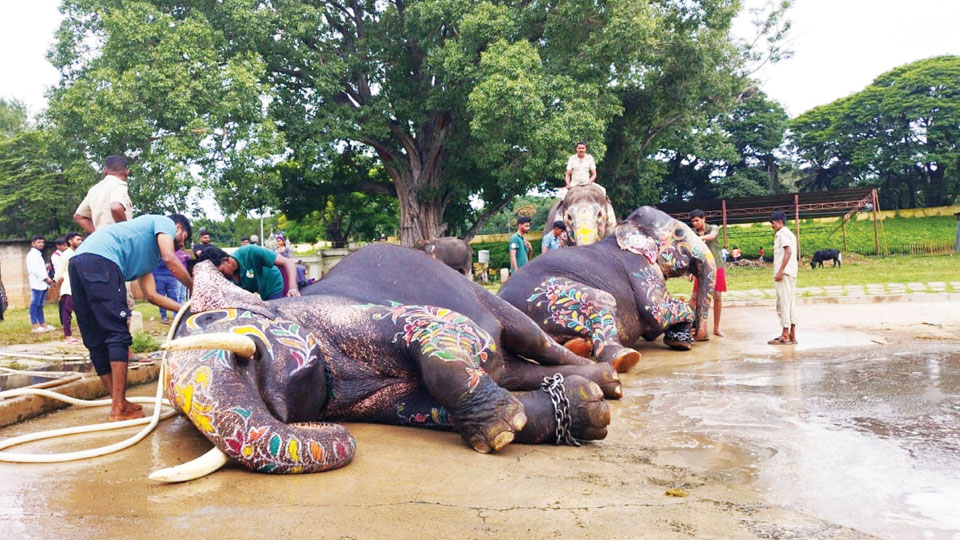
586	411
679	336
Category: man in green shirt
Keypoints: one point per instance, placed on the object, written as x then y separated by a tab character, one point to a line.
257	270
709	233
519	247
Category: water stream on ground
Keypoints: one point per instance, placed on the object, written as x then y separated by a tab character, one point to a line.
868	438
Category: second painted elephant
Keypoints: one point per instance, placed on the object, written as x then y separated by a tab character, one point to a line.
606	297
587	214
387	336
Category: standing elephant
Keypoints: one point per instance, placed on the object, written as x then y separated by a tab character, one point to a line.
452	252
607	296
261	380
586	212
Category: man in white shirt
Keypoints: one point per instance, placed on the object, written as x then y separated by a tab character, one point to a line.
581	169
108	201
39	283
62	277
785	278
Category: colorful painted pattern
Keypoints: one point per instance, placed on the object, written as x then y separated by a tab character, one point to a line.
441	333
300	348
438	416
574	309
657	301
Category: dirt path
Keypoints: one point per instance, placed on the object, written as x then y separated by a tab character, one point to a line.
411	483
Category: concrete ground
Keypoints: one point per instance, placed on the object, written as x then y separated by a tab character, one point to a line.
413	483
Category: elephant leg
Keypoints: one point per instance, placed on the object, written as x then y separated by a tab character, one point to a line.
570	309
588	413
522	375
450	351
671	316
521	336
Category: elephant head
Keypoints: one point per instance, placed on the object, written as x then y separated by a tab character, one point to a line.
674	248
252	382
587	214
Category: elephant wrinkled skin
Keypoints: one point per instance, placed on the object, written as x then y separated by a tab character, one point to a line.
587	214
603	298
373	341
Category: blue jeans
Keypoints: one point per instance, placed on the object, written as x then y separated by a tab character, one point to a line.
167	286
37	298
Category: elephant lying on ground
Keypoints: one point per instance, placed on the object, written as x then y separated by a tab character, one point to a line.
603	298
452	252
262	379
586	212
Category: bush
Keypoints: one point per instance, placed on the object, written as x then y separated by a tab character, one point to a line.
144	342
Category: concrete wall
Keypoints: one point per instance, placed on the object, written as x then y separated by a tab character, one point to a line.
13	272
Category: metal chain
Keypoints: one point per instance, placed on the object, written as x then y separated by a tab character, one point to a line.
561	408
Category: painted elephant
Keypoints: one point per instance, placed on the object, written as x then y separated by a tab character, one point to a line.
586	212
452	252
263	380
603	298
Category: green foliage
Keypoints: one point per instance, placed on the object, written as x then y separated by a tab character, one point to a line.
13	117
41	184
229	231
901	133
144	342
506	220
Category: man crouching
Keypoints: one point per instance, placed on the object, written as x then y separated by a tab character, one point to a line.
124	251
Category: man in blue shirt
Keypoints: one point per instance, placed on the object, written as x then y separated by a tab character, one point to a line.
553	239
125	251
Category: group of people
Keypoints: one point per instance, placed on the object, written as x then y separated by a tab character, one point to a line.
94	273
785	270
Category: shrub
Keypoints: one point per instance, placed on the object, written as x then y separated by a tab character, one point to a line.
144	342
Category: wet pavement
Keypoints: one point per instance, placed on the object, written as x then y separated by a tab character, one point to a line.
853	433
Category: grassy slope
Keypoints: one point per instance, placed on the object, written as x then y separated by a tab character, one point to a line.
15	328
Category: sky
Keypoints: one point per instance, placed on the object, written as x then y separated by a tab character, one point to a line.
839	47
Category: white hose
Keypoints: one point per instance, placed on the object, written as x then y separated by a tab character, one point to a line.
152	421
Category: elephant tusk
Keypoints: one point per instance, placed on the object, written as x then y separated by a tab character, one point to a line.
200	467
235	343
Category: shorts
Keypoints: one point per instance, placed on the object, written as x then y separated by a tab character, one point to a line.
100	303
721	285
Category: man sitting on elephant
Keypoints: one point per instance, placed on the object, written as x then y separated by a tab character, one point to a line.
581	168
603	298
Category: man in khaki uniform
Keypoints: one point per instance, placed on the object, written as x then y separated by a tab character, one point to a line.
108	201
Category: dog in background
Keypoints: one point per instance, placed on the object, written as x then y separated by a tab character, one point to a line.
823	255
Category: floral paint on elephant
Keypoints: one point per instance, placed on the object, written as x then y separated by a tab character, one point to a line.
437	416
572	308
287	333
441	333
655	299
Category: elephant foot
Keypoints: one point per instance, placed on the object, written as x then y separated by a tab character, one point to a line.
621	358
579	347
497	429
605	376
679	337
586	414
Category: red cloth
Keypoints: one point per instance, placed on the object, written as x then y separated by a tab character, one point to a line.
721	285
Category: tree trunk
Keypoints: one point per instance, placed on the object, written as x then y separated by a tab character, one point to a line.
419	220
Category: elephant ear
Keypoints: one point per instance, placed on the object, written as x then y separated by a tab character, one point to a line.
632	239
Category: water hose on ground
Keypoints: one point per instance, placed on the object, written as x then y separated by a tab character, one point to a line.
161	411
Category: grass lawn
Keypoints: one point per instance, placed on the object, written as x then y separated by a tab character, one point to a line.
856	270
15	328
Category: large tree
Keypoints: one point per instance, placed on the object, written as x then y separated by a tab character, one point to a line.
456	98
901	133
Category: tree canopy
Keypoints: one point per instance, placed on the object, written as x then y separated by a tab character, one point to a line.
457	99
901	133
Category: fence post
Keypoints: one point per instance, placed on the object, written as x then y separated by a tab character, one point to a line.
843	228
796	210
876	240
956	245
723	207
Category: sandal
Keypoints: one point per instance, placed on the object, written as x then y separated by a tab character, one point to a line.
779	341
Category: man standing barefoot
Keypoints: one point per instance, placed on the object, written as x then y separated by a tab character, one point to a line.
109	257
709	234
785	278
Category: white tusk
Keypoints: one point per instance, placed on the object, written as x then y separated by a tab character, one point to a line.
236	343
198	468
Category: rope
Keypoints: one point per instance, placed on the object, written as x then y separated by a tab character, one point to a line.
161	411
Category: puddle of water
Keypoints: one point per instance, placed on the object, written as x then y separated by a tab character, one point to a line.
869	439
9	380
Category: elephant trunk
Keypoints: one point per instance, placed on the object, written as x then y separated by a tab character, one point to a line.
213	388
584	225
705	271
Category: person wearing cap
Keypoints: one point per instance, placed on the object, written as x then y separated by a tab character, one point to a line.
520	248
784	278
709	234
554	238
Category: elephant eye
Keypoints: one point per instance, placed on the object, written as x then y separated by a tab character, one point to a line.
678	232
